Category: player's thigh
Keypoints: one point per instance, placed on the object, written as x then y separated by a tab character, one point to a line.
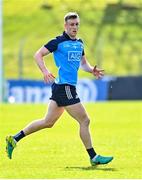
53	112
78	112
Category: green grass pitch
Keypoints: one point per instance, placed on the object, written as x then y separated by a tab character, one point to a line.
59	153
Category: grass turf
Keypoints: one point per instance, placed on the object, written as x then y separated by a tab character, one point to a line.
59	153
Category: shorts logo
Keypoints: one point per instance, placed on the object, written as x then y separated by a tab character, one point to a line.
74	55
68	92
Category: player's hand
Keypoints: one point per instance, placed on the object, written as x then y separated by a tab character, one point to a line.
99	73
48	77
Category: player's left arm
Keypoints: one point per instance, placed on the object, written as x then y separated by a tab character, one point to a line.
85	65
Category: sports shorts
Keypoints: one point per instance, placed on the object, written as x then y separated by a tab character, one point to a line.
64	94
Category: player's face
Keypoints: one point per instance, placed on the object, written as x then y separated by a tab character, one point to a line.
71	27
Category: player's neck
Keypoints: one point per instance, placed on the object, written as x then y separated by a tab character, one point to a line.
72	37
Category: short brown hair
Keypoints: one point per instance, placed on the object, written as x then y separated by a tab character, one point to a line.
71	15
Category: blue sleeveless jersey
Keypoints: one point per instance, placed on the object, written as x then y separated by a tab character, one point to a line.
67	55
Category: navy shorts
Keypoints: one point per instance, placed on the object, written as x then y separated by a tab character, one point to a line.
64	94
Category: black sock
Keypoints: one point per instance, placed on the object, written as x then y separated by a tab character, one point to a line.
19	136
91	152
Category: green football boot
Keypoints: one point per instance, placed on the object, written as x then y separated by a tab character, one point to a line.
10	145
98	159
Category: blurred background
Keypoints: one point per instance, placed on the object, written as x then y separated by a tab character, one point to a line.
112	35
110	29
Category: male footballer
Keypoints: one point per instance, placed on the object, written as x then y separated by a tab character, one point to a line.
69	55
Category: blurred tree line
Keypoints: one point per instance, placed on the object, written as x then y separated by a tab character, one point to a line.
111	31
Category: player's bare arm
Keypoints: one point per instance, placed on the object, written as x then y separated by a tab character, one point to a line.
47	75
85	65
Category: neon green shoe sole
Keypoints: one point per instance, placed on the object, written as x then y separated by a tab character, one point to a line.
100	160
10	145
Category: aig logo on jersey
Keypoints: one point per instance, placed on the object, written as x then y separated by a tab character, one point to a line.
74	55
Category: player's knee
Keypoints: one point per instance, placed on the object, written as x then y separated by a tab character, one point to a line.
48	124
86	121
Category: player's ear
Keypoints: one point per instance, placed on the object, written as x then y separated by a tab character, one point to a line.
65	25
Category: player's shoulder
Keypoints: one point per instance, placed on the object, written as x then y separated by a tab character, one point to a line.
58	39
80	40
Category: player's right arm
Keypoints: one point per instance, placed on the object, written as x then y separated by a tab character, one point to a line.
47	75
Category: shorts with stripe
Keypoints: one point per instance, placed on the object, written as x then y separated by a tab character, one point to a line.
64	94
